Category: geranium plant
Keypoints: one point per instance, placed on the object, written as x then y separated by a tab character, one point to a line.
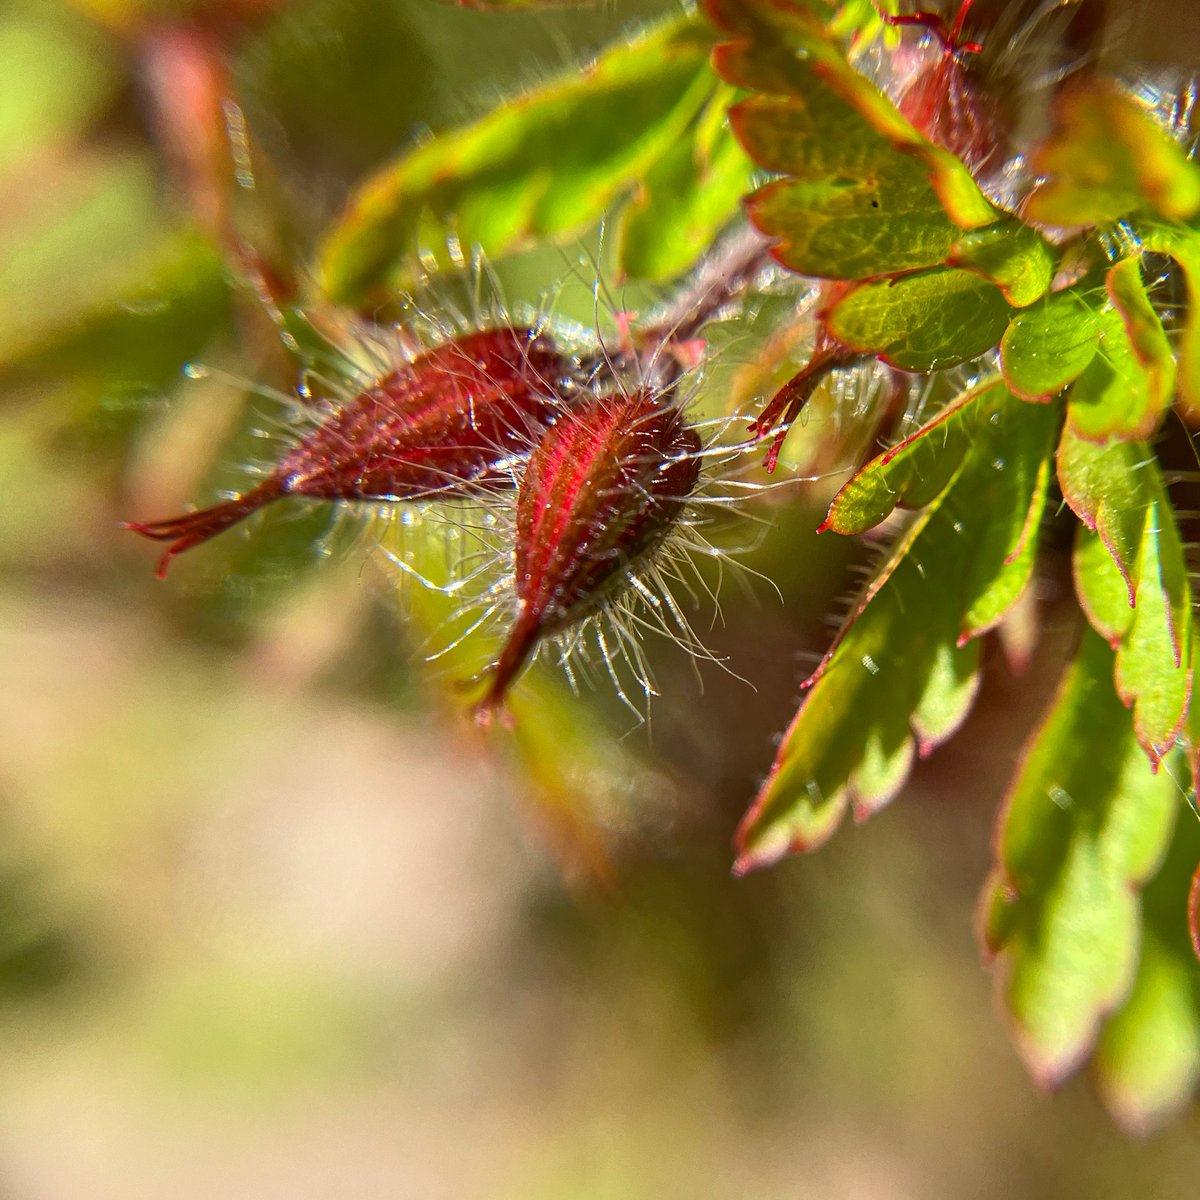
979	245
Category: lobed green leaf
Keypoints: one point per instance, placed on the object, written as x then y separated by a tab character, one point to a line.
1108	158
867	193
903	670
1125	389
685	200
1010	254
1183	245
1084	826
914	472
1049	345
922	322
548	163
1132	580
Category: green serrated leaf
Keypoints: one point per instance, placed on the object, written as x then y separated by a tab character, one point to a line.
1010	254
1143	326
1107	158
812	135
1154	658
1049	345
684	201
114	360
991	592
1126	388
1107	488
1102	590
881	197
1152	639
1085	824
853	206
1183	245
854	229
542	166
1148	1061
922	322
1132	581
903	670
914	472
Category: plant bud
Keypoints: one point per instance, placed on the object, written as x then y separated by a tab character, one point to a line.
457	415
600	492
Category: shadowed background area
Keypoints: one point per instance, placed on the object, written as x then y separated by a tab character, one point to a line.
273	922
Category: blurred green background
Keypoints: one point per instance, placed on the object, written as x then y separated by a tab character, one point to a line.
273	922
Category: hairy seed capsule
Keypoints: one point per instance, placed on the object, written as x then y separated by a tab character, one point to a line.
988	102
600	491
948	99
458	414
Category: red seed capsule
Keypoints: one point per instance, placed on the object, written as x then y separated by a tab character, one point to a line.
988	103
949	101
600	492
458	414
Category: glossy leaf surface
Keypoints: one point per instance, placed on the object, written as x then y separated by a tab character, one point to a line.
866	194
1148	1060
903	670
1126	387
543	165
1013	256
1132	580
1049	345
1183	245
1085	825
914	472
923	322
1108	158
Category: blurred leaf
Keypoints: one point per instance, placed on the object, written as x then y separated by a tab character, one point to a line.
1084	826
1107	158
1148	1061
1194	911
922	322
1152	639
1012	255
905	662
508	5
685	200
546	164
115	360
1118	395
1183	245
862	21
230	586
57	76
1132	580
836	228
1105	486
1049	345
784	48
914	472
